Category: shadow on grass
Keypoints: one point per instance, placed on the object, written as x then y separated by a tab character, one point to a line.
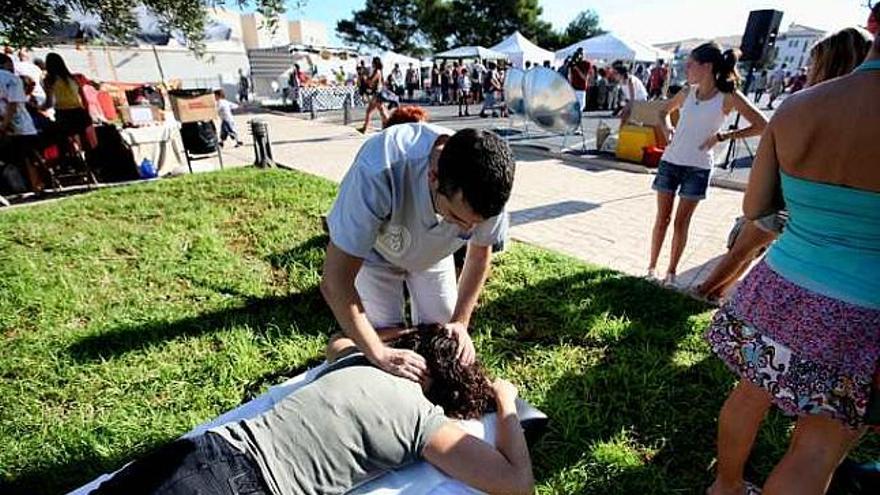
304	308
641	418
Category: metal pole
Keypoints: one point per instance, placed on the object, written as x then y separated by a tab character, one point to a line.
346	109
158	64
312	112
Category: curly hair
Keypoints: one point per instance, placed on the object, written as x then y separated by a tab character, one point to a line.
462	391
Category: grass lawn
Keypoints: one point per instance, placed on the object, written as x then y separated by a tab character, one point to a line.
130	315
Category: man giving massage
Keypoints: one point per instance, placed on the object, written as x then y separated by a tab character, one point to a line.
351	424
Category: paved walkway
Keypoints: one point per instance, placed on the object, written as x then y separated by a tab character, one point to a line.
600	215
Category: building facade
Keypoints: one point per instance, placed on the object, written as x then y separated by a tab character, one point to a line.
793	46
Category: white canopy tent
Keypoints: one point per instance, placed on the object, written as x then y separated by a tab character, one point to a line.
471	52
610	47
520	50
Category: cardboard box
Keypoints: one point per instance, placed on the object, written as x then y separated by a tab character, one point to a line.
194	108
140	115
647	113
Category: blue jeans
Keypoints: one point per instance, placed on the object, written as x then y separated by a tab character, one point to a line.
690	182
227	129
203	464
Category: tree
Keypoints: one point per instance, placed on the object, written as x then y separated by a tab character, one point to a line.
395	25
486	22
28	23
585	25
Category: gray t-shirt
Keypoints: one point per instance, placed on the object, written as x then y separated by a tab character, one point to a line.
384	213
343	429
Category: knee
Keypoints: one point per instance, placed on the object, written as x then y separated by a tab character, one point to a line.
663	220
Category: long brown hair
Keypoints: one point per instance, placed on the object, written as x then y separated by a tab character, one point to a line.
837	55
723	65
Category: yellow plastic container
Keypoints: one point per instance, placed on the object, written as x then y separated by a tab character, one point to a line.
632	141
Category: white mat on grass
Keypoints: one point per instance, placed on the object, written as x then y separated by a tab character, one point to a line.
420	478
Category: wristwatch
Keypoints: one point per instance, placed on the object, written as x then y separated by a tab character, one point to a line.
721	137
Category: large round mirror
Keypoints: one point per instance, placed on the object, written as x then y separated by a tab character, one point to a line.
550	101
513	91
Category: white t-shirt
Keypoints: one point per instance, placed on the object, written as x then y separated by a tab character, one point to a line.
225	108
384	213
32	71
640	93
12	92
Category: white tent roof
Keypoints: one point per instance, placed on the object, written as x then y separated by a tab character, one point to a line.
520	50
611	47
472	52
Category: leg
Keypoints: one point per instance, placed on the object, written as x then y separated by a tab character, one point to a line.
381	291
745	248
738	424
665	201
383	114
818	445
433	293
680	227
370	108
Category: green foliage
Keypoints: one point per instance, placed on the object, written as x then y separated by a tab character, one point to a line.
585	25
29	23
486	22
388	25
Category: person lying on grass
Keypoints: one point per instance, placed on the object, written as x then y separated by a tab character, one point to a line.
352	423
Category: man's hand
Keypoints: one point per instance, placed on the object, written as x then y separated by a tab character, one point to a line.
466	353
401	362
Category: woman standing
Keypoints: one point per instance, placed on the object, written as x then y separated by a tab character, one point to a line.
64	95
835	56
687	163
803	329
380	95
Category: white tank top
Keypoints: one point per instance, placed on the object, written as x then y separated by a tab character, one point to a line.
698	122
639	91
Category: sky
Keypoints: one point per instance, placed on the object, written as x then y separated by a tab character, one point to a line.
652	21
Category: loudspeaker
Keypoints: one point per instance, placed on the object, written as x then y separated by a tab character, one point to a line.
760	35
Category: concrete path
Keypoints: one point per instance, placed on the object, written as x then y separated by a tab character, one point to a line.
577	207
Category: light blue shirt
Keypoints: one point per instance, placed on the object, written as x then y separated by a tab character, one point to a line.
831	243
384	212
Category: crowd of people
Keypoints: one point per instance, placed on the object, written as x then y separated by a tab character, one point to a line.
42	105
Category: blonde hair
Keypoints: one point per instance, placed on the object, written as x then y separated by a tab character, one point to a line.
838	54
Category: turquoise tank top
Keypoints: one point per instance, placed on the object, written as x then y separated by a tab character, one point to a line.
831	243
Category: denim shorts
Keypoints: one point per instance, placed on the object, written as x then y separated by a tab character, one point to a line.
690	182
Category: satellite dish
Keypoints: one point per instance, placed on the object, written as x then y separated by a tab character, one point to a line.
550	101
513	91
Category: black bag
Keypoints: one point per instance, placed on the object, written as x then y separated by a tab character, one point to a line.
199	138
112	160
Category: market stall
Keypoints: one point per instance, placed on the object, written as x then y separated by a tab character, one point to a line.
610	47
471	53
521	50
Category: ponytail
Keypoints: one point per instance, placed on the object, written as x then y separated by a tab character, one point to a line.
723	65
727	77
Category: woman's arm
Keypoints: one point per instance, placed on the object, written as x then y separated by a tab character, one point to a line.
505	469
50	97
757	122
673	104
762	193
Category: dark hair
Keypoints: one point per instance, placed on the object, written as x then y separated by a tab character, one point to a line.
219	92
723	65
602	71
620	68
56	69
377	63
480	165
462	391
5	59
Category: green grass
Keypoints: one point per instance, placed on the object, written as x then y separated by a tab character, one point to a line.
130	315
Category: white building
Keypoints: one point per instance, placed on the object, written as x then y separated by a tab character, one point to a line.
793	46
303	32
